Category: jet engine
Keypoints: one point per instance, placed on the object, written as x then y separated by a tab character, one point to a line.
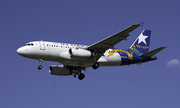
81	53
59	70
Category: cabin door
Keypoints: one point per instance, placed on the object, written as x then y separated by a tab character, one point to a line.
42	45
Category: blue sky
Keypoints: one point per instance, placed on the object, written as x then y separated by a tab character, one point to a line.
151	85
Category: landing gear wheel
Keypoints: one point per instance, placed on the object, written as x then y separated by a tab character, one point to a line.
39	67
40	62
81	76
95	65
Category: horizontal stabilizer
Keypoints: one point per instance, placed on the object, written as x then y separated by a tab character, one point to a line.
153	52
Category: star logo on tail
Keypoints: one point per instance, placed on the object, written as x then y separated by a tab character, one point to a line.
142	39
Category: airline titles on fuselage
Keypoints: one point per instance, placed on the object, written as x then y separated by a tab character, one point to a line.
65	45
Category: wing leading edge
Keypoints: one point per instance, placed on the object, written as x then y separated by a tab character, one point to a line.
100	47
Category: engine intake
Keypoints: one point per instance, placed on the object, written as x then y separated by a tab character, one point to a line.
59	70
81	53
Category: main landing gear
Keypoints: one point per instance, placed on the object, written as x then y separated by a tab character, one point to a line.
95	65
76	71
81	76
40	66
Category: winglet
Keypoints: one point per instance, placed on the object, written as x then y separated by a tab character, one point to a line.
141	24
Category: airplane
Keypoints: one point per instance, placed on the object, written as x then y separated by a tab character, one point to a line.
76	58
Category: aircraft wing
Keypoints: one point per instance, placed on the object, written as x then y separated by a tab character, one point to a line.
100	47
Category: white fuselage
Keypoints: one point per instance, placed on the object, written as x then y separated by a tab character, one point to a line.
59	52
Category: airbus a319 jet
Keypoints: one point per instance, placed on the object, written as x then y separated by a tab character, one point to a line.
76	58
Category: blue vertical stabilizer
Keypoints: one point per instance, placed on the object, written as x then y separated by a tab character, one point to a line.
141	44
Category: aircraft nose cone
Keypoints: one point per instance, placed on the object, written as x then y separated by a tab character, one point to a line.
19	51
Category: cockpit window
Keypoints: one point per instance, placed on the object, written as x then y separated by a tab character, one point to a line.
29	44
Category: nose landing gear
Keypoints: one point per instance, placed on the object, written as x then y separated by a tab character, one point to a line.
40	62
39	67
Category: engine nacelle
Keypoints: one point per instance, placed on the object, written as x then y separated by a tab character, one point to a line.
81	53
59	70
